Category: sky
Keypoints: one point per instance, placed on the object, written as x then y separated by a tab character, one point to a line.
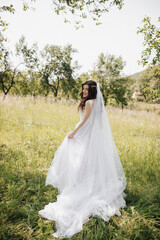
116	35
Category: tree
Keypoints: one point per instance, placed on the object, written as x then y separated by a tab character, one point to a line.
118	91
53	66
83	9
32	63
84	77
151	42
149	83
107	70
7	72
30	55
57	69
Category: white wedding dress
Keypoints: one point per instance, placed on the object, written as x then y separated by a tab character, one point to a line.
88	174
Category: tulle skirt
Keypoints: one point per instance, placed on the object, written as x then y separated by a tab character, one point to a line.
89	184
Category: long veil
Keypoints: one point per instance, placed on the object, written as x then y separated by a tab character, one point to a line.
88	174
106	138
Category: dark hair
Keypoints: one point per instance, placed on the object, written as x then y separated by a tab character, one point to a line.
92	93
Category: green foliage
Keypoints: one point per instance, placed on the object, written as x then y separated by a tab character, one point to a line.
31	131
110	66
7	73
149	84
5	81
4	24
57	69
118	91
72	89
151	42
84	77
107	73
84	9
52	67
30	55
29	86
11	8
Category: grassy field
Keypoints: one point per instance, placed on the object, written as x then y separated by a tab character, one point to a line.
31	131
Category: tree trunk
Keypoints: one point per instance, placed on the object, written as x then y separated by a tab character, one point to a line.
122	107
4	96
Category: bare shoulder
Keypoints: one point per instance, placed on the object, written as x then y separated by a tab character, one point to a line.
91	102
88	103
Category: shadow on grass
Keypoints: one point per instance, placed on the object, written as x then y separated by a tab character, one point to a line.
23	193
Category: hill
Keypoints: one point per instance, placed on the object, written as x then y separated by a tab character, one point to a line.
136	75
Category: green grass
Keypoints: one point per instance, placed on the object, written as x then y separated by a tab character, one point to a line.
32	130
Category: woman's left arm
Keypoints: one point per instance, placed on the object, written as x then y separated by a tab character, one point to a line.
87	112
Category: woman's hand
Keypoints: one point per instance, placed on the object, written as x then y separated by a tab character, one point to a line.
70	135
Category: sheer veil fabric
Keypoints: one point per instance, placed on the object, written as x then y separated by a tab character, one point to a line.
88	174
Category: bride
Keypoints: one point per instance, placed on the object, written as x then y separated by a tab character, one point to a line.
86	169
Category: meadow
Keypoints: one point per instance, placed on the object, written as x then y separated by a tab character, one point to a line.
31	131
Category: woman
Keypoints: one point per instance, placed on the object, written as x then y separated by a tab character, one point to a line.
86	169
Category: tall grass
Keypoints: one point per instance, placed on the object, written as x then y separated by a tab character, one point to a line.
31	131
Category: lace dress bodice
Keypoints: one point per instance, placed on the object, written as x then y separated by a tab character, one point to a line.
82	111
